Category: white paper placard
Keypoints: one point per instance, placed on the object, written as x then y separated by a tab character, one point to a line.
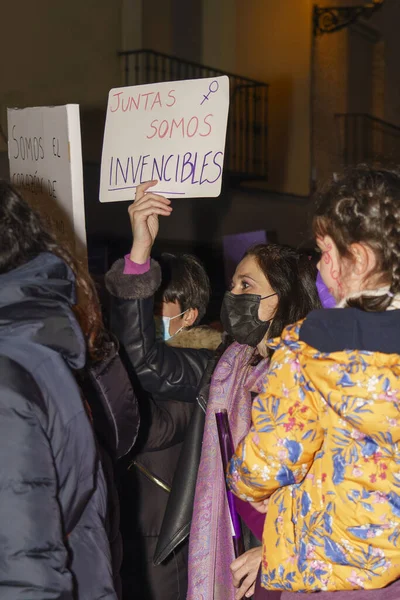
173	132
45	154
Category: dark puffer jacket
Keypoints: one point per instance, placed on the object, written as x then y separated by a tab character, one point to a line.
172	374
53	501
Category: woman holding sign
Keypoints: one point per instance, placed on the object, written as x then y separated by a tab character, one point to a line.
172	365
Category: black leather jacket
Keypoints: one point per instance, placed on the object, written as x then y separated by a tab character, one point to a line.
163	371
178	513
174	376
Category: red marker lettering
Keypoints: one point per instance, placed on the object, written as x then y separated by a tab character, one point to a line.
178	124
157	100
117	106
208	124
196	121
150	137
147	98
136	103
165	124
171	95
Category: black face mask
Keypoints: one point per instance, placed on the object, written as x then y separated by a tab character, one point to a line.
239	317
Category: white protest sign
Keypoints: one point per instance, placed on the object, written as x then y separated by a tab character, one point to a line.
173	132
45	154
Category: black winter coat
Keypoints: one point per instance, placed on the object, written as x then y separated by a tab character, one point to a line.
53	501
172	376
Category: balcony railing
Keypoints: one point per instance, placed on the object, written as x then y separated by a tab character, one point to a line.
367	139
246	145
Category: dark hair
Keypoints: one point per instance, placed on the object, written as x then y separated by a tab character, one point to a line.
292	276
184	280
22	237
363	205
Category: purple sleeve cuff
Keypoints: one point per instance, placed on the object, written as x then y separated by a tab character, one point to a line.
253	519
132	268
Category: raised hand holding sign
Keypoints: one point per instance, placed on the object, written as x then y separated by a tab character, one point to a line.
144	213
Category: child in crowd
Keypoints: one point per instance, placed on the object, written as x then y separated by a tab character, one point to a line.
324	446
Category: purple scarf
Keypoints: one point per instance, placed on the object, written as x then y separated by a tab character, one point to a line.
210	543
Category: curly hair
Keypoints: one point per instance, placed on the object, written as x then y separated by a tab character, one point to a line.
22	237
363	206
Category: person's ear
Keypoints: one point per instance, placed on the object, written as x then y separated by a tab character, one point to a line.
363	260
190	317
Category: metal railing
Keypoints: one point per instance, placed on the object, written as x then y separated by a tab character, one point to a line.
367	139
246	146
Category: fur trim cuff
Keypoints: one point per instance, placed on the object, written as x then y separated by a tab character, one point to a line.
198	338
133	287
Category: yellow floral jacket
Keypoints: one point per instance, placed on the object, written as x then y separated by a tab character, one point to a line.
324	446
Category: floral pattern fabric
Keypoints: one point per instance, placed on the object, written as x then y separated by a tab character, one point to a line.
324	446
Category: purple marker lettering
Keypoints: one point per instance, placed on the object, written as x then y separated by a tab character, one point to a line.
144	164
111	168
194	169
124	174
185	164
157	170
205	164
217	165
135	173
177	167
165	168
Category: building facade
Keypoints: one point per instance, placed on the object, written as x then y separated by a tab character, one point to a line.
332	98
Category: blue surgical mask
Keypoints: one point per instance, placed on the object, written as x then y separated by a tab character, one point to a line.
166	323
